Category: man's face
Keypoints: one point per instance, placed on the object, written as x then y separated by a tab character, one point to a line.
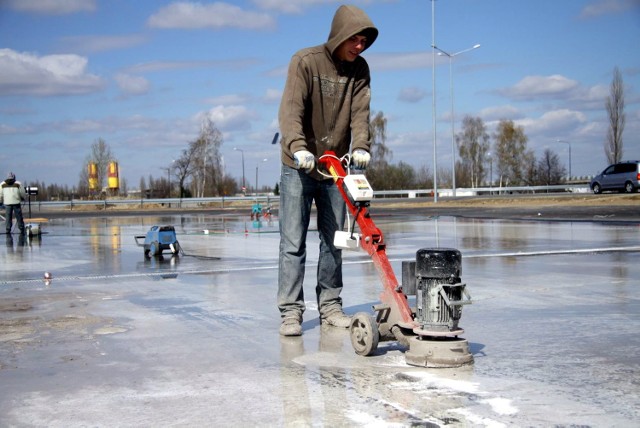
351	48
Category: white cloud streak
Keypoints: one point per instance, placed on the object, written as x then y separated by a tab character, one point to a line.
606	7
132	85
218	15
229	117
90	44
412	94
182	65
533	87
288	6
52	7
28	74
399	61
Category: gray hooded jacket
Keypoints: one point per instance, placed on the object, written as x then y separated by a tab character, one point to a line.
325	103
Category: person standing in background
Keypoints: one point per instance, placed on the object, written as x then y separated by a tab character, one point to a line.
11	195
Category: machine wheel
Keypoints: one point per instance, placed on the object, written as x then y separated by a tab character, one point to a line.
154	249
596	188
176	248
364	334
628	187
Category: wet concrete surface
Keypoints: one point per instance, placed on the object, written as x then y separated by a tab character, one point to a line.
118	340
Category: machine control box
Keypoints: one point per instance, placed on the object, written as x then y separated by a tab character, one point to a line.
358	187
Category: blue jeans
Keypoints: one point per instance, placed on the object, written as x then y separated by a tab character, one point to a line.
10	211
297	192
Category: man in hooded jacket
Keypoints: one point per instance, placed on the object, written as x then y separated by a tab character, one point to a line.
12	193
324	106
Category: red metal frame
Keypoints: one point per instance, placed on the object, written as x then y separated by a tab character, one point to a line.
372	241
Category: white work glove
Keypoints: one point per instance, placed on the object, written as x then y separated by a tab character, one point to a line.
305	160
360	158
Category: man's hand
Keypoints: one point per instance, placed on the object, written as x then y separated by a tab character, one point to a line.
360	158
305	160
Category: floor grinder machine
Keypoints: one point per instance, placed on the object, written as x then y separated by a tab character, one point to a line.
430	331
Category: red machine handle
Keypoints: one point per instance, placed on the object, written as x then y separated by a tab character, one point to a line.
372	241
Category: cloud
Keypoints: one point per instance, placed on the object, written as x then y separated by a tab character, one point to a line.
298	6
52	7
551	122
272	96
288	6
278	71
227	118
132	85
412	94
535	87
7	130
605	7
188	15
28	74
89	44
182	65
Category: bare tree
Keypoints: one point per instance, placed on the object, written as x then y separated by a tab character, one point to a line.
207	171
400	176
473	145
615	109
83	182
184	166
380	152
143	186
549	170
424	178
511	152
101	155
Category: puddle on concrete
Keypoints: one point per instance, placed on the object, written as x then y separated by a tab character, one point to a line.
552	328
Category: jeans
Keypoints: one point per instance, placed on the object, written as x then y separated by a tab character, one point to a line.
10	210
297	192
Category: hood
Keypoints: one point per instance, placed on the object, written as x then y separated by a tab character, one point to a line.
349	21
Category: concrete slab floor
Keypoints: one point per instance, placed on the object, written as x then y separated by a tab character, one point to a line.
117	340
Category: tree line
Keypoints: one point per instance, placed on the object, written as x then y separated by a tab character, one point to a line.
514	163
501	159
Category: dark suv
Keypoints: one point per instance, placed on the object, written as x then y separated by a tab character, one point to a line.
620	176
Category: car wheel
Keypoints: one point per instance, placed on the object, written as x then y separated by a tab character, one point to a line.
628	187
596	188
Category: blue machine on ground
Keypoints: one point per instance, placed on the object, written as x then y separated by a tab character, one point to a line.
159	239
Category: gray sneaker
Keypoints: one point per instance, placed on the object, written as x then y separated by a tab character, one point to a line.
291	326
337	319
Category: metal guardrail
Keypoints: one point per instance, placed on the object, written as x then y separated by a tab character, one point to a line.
478	191
246	201
213	202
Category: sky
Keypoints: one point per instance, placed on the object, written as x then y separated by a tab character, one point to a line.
143	75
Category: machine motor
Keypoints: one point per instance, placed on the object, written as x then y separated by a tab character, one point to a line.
435	280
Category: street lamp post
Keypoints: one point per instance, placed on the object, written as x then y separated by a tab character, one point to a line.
569	143
490	174
244	189
169	180
257	165
169	177
433	100
453	136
